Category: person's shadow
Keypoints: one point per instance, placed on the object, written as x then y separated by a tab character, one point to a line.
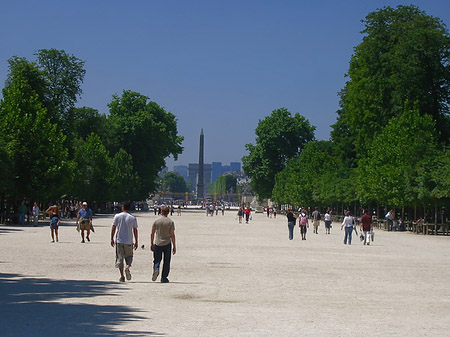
35	307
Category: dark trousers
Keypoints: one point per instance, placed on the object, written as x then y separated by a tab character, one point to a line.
158	253
390	225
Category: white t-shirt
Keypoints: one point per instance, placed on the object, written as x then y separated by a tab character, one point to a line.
327	217
125	222
348	221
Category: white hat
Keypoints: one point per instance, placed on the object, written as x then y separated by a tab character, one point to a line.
85	203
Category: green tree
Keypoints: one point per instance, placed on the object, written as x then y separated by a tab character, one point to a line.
391	171
404	57
173	182
124	180
145	131
441	175
279	137
224	184
304	181
64	74
34	145
93	171
85	121
6	183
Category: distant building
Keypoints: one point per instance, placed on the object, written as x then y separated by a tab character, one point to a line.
182	170
193	174
235	166
216	170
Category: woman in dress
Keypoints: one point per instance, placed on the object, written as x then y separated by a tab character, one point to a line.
54	221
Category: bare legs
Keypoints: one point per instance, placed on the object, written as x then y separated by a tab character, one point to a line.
54	231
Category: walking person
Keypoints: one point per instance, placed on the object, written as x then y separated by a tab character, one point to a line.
84	221
54	221
327	218
247	214
240	214
291	223
126	226
22	212
348	223
303	223
163	245
366	227
35	212
316	220
390	219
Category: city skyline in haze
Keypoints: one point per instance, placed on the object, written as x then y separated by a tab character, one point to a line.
220	66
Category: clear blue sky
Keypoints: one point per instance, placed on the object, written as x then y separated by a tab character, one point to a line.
217	65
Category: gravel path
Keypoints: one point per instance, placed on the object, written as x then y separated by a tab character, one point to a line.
227	279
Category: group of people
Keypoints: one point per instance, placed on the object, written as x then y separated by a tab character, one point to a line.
244	212
68	210
162	242
271	211
124	228
349	224
83	222
214	208
304	218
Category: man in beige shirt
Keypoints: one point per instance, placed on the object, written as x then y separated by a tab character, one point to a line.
162	239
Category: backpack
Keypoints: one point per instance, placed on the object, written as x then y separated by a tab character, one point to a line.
318	216
303	220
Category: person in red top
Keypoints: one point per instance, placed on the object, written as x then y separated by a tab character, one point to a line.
366	227
247	214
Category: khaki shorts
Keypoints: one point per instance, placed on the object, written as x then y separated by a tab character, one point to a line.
124	251
85	224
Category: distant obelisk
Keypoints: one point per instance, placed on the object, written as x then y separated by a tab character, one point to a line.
200	182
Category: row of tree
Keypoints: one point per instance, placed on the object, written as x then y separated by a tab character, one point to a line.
390	142
50	148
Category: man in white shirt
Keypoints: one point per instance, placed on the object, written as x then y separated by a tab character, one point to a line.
126	226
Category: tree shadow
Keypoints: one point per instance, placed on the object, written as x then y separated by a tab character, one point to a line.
5	230
35	307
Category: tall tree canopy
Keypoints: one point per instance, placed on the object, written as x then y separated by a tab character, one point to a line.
64	75
404	57
34	147
279	137
49	147
392	169
147	132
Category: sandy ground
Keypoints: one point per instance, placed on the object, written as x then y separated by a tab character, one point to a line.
226	280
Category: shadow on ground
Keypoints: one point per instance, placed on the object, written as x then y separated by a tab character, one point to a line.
6	230
33	307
